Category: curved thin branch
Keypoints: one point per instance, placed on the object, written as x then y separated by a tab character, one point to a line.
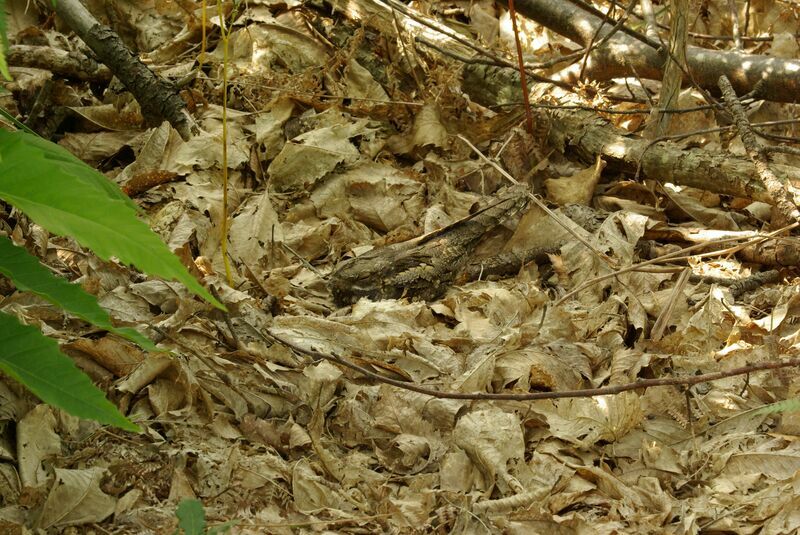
530	396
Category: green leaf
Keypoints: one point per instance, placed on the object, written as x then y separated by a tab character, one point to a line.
22	149
29	275
191	517
35	361
3	42
786	405
67	197
222	528
5	114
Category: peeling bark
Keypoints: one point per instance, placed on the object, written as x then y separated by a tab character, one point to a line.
60	62
587	135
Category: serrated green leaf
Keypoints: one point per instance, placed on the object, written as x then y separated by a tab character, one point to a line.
29	275
16	146
3	42
67	197
35	361
191	517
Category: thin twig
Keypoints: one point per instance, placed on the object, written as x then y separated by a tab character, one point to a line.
539	203
678	255
777	190
523	82
649	17
737	36
530	396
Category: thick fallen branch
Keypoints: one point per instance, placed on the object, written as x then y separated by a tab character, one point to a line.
60	62
623	55
588	135
626	53
157	98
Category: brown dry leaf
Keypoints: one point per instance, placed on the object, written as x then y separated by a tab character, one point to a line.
492	439
536	40
169	298
784	45
384	320
111	353
575	189
550	369
776	465
626	365
485	310
714	218
108	117
478	370
538	229
382	368
181	485
151	22
307	158
322	335
412	442
164	397
312	492
428	130
256	471
360	84
37	441
204	151
233	418
585	421
785	521
230	396
268	127
127	502
376	195
406	454
95	147
287	43
151	152
254	227
75	499
684	123
153	366
484	21
19	17
709	325
615	204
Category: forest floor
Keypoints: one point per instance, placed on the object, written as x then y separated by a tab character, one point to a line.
291	413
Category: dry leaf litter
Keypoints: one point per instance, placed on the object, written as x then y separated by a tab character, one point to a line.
342	137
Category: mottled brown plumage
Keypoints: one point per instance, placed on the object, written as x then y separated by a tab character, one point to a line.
424	267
